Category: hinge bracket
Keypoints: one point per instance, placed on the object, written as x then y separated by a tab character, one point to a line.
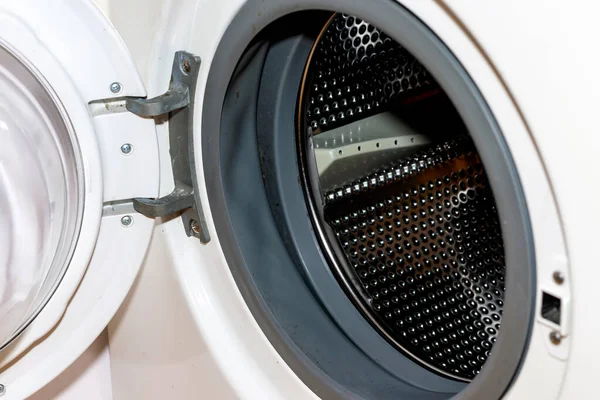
178	104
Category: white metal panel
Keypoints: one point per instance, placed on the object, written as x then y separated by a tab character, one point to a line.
143	30
87	378
548	63
157	351
542	373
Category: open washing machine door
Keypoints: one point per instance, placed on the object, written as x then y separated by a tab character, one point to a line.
380	223
72	159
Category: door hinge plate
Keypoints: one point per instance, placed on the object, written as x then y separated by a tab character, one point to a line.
178	104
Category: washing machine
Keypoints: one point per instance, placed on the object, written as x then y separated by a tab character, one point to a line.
298	199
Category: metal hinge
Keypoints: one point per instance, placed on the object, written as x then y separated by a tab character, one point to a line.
178	104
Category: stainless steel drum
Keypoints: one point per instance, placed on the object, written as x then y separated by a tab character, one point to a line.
411	228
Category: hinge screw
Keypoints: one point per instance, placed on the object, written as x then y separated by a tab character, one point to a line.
126	220
555	338
186	66
126	148
115	87
559	277
195	226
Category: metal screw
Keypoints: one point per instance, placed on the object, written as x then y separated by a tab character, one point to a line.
2	390
126	220
126	148
115	87
555	338
186	66
195	226
559	277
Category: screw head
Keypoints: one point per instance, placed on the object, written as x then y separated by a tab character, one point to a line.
127	148
2	389
126	220
186	66
559	277
555	338
115	87
195	226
